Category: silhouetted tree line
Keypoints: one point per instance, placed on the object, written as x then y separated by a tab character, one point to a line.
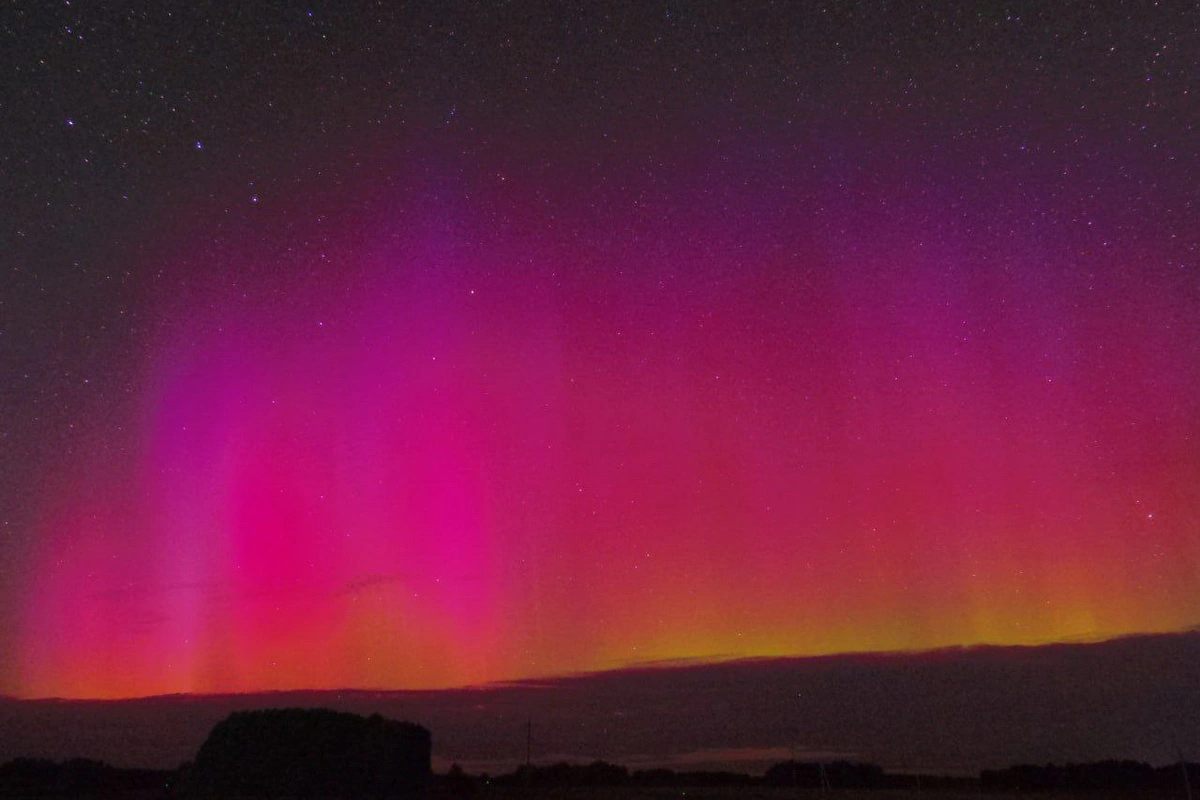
667	777
322	753
597	773
1102	775
1094	775
837	774
35	777
840	774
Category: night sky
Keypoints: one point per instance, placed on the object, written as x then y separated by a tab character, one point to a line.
422	345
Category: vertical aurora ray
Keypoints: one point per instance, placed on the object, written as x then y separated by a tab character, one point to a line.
454	445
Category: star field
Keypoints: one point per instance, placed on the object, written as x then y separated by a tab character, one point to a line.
409	347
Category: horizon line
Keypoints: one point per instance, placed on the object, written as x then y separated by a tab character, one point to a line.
656	665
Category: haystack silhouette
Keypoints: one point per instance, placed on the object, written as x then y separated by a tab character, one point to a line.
310	753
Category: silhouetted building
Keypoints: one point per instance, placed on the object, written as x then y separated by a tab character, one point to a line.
311	753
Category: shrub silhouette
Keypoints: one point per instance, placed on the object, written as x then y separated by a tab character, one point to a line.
312	752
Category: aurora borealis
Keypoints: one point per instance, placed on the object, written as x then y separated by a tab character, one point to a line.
396	348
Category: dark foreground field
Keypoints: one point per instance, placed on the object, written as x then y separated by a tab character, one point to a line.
684	793
768	793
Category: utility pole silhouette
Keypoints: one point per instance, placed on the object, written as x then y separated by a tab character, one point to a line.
1187	781
528	752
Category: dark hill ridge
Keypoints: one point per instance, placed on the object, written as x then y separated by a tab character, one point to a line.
955	710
